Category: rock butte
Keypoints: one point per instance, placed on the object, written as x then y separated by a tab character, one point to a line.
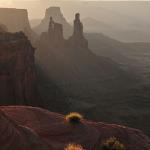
56	132
17	20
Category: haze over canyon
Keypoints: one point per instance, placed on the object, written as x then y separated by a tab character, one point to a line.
86	57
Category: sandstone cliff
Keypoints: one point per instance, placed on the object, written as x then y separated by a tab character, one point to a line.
23	82
56	13
18	82
56	132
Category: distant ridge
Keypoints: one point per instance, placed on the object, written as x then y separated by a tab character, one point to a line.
56	13
16	20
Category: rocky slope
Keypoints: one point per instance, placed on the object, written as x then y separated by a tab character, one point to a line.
57	133
56	13
16	137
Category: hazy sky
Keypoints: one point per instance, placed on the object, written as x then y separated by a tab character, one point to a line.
36	8
10	2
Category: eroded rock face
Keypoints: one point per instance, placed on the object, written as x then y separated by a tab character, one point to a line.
16	137
55	13
57	133
21	81
18	83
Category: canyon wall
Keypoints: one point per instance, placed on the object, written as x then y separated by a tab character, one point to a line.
22	82
18	82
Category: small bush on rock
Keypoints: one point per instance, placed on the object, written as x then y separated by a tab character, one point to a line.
112	144
74	147
74	118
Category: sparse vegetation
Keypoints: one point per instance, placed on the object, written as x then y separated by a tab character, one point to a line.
74	118
74	147
112	144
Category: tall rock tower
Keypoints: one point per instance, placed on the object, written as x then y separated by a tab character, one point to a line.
55	32
78	26
77	39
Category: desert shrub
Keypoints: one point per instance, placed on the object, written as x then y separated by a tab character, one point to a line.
112	144
74	118
74	147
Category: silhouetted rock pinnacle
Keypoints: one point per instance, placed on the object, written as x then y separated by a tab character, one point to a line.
77	39
78	26
55	31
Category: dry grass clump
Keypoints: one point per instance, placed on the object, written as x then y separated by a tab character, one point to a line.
112	144
74	147
74	118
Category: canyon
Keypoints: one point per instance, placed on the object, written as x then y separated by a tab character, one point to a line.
84	72
20	78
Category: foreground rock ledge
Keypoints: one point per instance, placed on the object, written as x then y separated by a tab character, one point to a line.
54	132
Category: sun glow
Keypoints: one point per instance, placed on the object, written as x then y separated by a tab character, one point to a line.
5	2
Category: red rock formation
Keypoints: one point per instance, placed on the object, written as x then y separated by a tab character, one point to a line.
55	131
16	137
17	73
